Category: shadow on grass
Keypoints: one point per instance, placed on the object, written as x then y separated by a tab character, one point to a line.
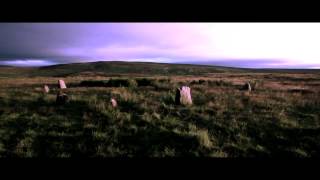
63	131
285	142
45	124
52	138
151	141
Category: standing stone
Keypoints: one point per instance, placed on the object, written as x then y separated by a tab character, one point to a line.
113	102
62	84
62	98
247	87
46	89
183	96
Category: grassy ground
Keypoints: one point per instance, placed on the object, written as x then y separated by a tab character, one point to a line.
280	117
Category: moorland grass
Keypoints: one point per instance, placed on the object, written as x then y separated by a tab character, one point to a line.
224	121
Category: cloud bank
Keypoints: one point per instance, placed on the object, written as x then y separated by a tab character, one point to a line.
283	45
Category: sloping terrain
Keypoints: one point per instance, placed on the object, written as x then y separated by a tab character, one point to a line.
278	118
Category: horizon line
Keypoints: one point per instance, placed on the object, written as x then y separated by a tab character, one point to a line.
174	63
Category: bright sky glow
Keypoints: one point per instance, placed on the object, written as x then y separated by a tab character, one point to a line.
267	45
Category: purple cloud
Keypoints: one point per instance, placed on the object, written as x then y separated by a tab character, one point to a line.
229	44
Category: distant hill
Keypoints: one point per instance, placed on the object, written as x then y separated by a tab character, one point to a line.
123	68
116	67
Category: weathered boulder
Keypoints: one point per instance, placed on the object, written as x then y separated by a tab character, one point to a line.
62	84
46	89
247	87
113	102
183	96
62	98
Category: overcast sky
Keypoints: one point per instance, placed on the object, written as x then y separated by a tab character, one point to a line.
262	45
